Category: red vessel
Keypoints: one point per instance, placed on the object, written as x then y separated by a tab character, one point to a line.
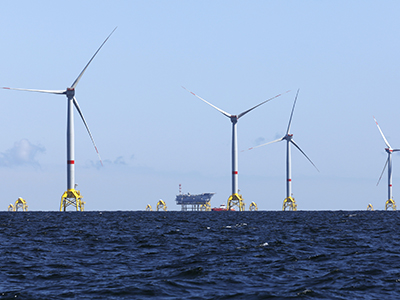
222	207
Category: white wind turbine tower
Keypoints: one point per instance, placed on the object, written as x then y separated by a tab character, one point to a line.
71	196
235	198
289	201
390	202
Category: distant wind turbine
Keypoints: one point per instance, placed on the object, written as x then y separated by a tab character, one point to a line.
390	202
235	198
289	201
71	196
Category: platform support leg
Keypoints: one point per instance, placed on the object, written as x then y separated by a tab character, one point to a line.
390	204
236	200
289	204
72	198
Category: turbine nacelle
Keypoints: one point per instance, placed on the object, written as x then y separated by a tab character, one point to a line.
234	119
389	150
70	92
288	137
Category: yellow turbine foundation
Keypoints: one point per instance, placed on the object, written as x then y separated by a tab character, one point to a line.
253	206
390	204
73	198
206	206
289	204
148	208
19	204
161	205
236	200
370	207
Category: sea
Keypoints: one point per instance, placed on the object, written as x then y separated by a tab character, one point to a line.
200	255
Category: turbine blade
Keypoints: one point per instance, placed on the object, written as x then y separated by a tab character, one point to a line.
87	127
39	91
84	69
249	110
382	171
220	110
297	146
386	142
396	150
278	140
291	115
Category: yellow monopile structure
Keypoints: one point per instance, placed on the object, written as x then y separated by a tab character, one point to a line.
390	204
161	205
206	206
253	206
236	200
73	198
289	204
19	204
148	208
370	207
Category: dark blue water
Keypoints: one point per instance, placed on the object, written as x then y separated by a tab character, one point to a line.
200	255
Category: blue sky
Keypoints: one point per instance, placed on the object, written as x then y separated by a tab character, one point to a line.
153	135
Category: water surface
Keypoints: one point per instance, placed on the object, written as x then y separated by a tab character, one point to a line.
200	255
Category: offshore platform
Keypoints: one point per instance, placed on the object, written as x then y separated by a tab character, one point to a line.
200	202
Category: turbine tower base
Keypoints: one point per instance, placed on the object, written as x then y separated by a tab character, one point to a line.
390	204
289	204
72	197
236	200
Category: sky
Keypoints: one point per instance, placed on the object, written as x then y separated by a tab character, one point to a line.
153	135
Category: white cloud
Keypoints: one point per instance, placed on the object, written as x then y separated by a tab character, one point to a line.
23	153
119	161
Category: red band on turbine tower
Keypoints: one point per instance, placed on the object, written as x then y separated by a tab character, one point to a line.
235	172
289	179
70	162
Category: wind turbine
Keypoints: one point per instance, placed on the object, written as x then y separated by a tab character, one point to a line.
390	202
71	196
289	201
235	198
